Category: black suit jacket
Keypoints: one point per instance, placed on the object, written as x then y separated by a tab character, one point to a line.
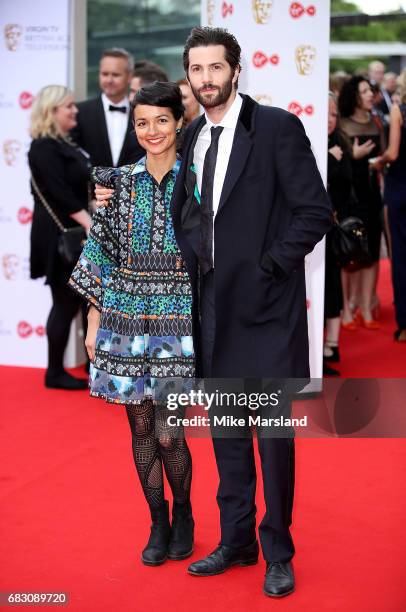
91	134
273	210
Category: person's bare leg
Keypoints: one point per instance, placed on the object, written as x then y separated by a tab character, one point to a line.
375	305
332	336
354	291
347	315
368	284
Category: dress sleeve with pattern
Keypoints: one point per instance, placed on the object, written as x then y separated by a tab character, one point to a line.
99	257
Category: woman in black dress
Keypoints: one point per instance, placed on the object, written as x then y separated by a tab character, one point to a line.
61	172
339	187
366	134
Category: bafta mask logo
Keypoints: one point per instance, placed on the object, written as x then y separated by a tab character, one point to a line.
25	99
305	57
12	36
210	11
11	149
11	266
261	11
263	99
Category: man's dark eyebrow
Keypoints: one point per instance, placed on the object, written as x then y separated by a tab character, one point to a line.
212	64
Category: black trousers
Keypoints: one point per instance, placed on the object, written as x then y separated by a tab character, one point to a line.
236	467
395	195
65	306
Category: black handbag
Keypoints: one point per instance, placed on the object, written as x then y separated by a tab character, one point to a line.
71	240
349	242
70	244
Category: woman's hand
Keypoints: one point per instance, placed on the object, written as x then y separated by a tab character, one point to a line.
336	152
93	323
360	151
84	219
103	195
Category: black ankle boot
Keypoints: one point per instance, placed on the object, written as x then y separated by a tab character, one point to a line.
64	380
156	551
181	542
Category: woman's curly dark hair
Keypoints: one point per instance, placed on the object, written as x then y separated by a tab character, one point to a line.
348	99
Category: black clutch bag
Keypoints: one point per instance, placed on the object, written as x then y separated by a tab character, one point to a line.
70	244
71	239
349	242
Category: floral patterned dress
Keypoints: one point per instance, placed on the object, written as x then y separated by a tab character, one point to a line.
132	271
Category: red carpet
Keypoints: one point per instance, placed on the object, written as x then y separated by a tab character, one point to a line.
367	353
73	518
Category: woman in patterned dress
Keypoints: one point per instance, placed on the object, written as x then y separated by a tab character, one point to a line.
139	337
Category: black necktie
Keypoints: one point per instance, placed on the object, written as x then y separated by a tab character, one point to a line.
206	199
120	109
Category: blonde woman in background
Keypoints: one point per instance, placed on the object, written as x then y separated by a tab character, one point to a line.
61	171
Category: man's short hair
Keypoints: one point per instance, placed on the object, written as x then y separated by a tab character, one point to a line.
205	36
120	52
149	72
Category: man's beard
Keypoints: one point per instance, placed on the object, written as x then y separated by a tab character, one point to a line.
219	95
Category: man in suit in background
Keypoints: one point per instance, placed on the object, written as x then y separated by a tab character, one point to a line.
262	208
104	126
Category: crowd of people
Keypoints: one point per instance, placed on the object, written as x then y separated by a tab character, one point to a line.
366	180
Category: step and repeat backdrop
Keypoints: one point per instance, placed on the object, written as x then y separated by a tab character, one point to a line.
285	48
285	63
34	52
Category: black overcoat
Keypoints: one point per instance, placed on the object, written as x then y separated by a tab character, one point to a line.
273	207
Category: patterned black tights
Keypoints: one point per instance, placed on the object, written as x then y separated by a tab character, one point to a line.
154	444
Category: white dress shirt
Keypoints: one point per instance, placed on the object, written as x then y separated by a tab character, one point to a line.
229	123
117	123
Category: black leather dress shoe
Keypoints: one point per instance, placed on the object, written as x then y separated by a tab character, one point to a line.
224	557
279	579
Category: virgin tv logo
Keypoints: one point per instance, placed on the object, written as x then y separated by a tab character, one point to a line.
260	59
297	10
25	330
25	100
226	9
24	215
297	109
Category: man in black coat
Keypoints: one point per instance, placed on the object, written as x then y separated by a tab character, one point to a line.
251	168
104	126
